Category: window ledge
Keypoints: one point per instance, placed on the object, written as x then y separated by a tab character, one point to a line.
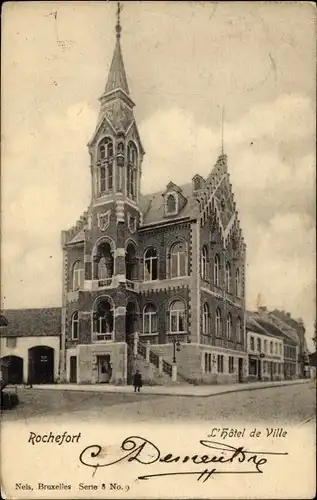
177	333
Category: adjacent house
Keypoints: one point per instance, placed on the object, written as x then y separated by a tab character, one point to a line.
30	345
265	352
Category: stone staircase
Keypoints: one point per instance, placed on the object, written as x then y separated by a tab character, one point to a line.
155	369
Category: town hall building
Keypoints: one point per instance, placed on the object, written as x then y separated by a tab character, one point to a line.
154	282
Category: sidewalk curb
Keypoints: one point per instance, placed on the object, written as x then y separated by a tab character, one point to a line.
243	389
220	393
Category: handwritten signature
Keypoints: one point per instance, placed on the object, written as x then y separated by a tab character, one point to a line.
145	452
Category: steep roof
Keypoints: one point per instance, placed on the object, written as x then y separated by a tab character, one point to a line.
152	205
117	78
272	329
3	320
32	322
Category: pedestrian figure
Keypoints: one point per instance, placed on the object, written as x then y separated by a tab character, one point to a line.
137	381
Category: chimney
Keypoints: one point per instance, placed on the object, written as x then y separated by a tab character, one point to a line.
262	309
288	315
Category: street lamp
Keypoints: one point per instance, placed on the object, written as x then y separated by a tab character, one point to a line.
176	347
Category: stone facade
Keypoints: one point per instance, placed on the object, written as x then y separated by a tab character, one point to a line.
151	270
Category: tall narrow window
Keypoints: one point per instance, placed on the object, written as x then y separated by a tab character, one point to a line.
239	330
216	270
75	325
131	268
178	260
132	170
177	317
218	323
229	326
228	278
78	275
149	319
204	263
238	283
206	329
105	159
150	265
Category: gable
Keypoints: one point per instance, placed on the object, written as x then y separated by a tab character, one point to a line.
104	127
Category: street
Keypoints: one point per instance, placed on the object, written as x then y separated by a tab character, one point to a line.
289	404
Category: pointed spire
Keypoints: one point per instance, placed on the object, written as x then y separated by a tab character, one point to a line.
117	77
222	123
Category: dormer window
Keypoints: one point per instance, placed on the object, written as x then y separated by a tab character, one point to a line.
198	183
171	204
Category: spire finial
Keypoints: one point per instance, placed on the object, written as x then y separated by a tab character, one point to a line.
222	126
118	26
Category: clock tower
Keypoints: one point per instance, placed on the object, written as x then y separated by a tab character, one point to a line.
115	149
113	218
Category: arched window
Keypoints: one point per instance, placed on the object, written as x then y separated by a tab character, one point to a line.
78	275
178	260
204	263
149	319
206	329
150	265
171	204
229	326
104	261
177	317
239	330
103	320
228	278
75	325
105	157
132	170
216	270
218	323
197	184
131	266
238	283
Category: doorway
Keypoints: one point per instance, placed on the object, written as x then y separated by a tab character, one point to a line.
41	365
259	370
104	369
240	370
15	369
73	369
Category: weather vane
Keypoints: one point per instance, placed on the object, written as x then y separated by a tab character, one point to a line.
118	26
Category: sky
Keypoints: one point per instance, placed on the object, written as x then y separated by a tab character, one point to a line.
185	61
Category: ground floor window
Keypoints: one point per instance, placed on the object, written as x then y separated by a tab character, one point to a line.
252	366
231	364
220	363
207	363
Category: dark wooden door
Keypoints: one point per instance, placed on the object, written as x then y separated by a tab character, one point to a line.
73	369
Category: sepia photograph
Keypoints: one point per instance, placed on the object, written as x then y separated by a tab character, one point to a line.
158	281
